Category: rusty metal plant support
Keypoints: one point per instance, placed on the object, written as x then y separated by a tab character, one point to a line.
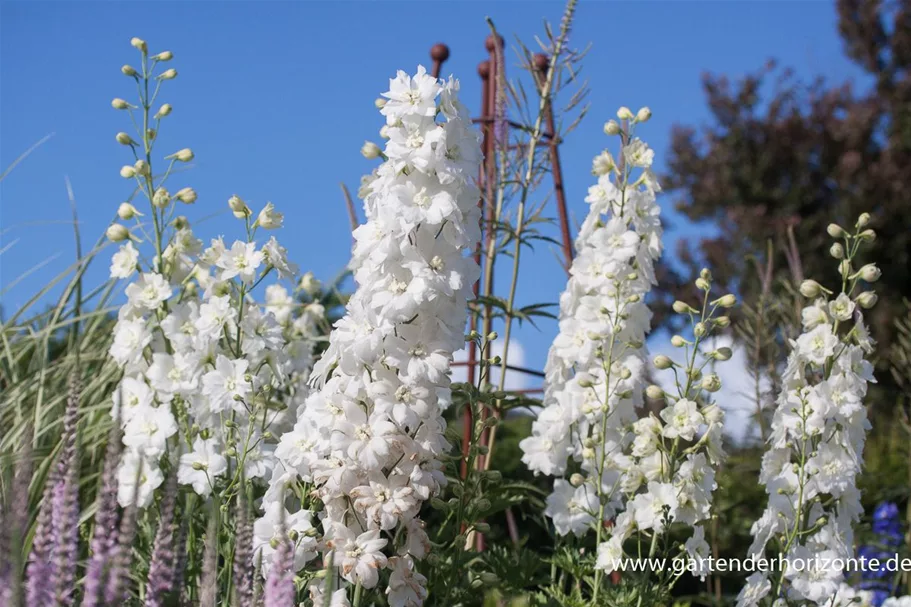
487	70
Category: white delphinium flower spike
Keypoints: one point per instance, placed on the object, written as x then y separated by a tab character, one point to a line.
370	437
817	441
595	368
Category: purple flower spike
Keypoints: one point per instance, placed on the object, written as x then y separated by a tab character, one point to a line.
280	591
105	535
161	567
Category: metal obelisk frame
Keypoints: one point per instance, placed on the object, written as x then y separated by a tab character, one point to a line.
487	70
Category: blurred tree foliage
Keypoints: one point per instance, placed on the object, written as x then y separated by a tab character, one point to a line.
783	155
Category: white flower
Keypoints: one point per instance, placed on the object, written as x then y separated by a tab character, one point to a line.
638	154
200	467
269	218
130	339
123	262
411	97
756	588
699	552
573	509
683	419
359	557
277	257
137	479
656	507
817	345
227	383
406	586
841	308
149	292
148	430
241	260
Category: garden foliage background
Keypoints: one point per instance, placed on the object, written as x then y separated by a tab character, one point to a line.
757	160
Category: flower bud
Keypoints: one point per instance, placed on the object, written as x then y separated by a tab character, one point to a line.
624	113
643	114
654	392
836	231
611	128
164	110
181	222
576	479
128	70
184	155
124	139
117	232
703	284
700	329
310	285
163	56
867	235
844	268
862	221
711	383
199	466
240	208
663	362
127	211
723	353
186	195
681	307
870	272
837	251
726	301
705	274
384	132
678	341
127	172
119	104
161	198
379	103
170	74
722	322
139	44
867	299
625	373
810	288
493	335
141	167
370	150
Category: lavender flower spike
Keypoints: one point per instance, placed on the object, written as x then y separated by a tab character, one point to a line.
66	504
105	534
280	591
243	556
161	567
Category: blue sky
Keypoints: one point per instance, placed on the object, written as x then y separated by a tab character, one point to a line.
276	98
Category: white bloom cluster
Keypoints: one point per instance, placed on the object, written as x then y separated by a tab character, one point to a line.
204	364
817	440
596	366
369	438
901	601
208	374
668	475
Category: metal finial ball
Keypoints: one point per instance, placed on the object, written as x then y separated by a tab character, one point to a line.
489	42
542	62
484	70
439	52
